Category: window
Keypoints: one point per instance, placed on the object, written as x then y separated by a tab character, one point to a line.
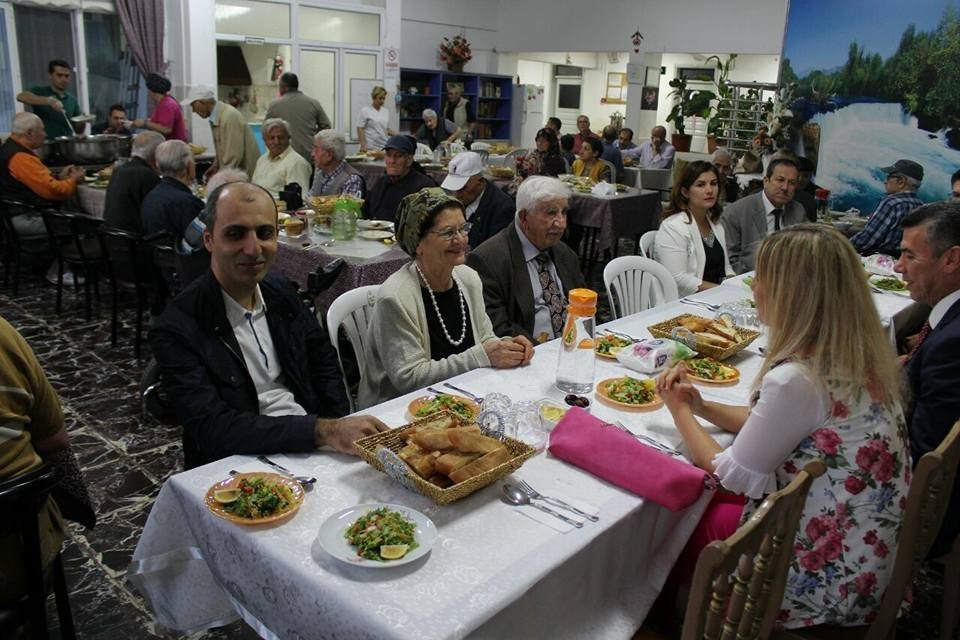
330	25
253	18
105	62
44	35
7	102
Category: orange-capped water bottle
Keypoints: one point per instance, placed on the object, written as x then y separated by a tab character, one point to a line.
575	363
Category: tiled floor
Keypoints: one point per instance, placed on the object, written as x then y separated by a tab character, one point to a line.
126	459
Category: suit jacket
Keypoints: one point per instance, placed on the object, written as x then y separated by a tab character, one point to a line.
202	365
745	222
934	376
495	211
126	192
233	140
507	291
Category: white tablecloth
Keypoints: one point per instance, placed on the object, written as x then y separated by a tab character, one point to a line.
493	573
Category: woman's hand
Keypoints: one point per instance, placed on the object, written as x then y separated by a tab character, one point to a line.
676	390
506	353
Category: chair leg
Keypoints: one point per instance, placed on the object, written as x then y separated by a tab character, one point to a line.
62	594
951	592
86	292
113	313
37	601
139	333
60	285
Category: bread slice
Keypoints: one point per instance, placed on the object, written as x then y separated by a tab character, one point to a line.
695	323
440	422
724	331
489	461
453	460
713	339
424	464
467	442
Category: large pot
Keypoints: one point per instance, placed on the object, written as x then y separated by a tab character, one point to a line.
124	146
100	149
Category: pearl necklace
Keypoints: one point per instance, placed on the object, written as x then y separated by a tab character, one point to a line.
436	307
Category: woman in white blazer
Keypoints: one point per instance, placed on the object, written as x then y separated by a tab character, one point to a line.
690	241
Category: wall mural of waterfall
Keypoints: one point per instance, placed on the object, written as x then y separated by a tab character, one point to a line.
872	83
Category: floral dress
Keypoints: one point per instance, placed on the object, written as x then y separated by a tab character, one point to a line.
848	531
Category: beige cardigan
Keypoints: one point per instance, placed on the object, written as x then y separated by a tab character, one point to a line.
233	140
397	349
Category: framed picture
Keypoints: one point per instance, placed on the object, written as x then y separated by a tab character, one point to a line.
616	88
652	76
649	98
696	74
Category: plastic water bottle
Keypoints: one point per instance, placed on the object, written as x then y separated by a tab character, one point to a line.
575	363
344	219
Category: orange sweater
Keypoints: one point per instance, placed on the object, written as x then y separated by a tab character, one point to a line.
28	169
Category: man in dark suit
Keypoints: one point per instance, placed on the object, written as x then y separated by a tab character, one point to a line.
487	208
131	182
748	220
526	270
930	264
171	206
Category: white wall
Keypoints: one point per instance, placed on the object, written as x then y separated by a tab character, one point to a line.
744	26
425	23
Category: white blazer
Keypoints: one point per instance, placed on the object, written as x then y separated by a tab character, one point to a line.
679	248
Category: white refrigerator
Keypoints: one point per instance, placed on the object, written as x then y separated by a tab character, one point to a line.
527	115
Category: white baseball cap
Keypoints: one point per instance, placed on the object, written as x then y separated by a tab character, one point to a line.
199	92
462	167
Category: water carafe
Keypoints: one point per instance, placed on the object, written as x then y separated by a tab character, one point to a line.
576	361
343	223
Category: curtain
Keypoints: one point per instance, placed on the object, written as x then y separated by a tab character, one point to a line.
142	22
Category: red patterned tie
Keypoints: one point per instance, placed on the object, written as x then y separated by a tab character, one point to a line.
924	332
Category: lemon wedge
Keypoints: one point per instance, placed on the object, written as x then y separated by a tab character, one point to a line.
226	496
393	551
552	413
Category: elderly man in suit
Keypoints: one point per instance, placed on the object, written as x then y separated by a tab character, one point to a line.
748	220
526	270
487	208
930	264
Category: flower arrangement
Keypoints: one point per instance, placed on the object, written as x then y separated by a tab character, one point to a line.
455	52
779	115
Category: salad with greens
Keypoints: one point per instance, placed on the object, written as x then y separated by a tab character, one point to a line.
632	391
710	369
258	498
444	402
382	535
611	344
889	284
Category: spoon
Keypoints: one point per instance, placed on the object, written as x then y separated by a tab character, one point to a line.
515	496
306	482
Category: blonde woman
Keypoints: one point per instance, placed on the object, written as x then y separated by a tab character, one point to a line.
589	163
827	390
691	242
374	129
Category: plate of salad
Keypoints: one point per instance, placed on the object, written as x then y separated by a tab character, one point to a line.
711	371
609	345
424	406
629	393
889	284
258	497
377	535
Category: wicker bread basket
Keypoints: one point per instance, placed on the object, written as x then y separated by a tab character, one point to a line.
393	440
665	330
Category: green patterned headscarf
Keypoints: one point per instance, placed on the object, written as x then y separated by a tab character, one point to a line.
414	209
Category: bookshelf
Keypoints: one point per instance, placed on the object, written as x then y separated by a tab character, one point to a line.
490	97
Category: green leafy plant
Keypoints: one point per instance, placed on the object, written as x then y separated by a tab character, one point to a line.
724	95
689	103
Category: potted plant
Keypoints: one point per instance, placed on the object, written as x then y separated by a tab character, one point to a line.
689	103
715	130
455	53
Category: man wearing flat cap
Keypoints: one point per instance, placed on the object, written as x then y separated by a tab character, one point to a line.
400	180
883	232
487	208
233	140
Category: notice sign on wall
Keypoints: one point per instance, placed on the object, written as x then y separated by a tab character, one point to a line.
391	58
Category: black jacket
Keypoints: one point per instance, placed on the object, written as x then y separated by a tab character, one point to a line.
128	188
383	198
170	206
203	369
495	211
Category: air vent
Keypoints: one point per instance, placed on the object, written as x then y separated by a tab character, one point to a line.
566	71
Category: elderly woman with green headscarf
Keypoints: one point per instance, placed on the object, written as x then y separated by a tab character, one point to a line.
430	323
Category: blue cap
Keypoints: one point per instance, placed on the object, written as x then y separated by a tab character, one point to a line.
401	143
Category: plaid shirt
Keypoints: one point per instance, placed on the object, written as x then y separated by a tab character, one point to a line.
883	232
353	185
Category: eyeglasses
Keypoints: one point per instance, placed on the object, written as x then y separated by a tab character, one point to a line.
448	233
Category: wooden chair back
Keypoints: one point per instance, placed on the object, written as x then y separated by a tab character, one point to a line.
738	583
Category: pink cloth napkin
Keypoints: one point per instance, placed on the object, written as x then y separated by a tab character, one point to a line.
618	457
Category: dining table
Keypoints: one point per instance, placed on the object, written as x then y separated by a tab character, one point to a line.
496	570
626	214
373	170
92	199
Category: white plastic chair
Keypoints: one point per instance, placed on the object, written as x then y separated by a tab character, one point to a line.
480	146
639	284
352	310
510	160
424	152
647	242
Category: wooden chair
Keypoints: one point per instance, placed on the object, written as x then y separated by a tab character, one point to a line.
17	248
738	583
613	170
129	267
21	498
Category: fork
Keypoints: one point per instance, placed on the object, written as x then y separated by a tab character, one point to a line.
535	495
701	303
656	444
472	396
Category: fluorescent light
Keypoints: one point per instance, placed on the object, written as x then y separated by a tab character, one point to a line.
228	11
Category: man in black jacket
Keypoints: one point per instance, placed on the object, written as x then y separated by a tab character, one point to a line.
400	180
171	206
131	183
487	208
250	368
